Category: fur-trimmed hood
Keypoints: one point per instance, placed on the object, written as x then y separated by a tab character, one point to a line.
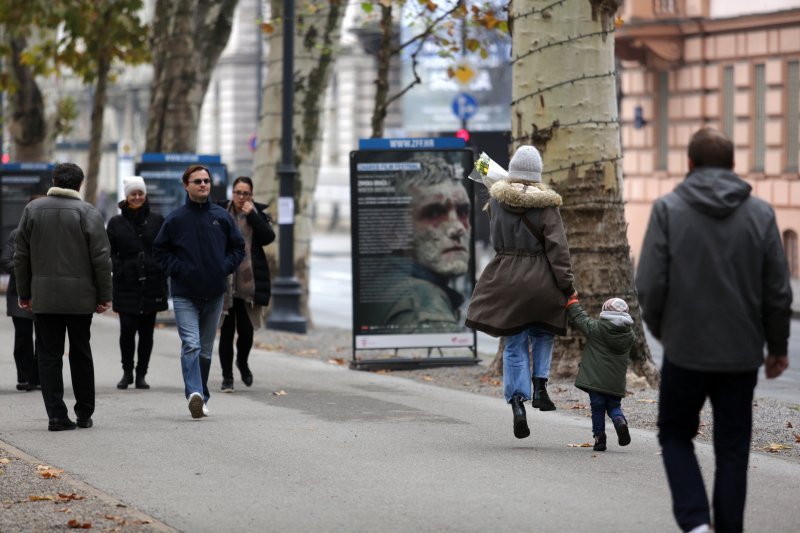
67	193
524	195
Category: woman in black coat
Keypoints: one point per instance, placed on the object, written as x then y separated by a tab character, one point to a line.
249	287
25	347
140	287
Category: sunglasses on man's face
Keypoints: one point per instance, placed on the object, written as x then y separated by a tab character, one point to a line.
200	181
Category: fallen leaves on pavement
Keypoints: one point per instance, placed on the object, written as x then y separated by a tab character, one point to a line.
578	406
279	393
796	437
311	351
789	425
47	471
774	447
336	361
646	400
5	461
75	524
581	445
427	378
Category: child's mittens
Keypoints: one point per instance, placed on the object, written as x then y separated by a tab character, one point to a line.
573	299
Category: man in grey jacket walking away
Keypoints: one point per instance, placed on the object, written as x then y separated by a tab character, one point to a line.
63	270
713	284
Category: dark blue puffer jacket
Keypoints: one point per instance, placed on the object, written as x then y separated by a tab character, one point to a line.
198	246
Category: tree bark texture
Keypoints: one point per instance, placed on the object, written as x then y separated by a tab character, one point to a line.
96	130
383	67
27	125
187	39
564	102
317	32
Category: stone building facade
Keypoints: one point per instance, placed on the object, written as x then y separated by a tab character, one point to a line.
683	68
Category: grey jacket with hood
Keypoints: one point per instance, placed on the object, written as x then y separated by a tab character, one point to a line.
713	280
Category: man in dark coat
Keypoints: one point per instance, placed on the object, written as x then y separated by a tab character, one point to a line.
198	246
713	284
63	271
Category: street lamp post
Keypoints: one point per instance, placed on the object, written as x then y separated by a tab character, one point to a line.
286	289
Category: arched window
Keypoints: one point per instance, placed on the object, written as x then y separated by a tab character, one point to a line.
790	247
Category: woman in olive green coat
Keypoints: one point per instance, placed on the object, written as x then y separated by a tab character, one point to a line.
604	363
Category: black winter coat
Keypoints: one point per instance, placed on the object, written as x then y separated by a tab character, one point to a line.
263	235
140	285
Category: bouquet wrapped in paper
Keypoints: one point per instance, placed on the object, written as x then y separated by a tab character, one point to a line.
487	171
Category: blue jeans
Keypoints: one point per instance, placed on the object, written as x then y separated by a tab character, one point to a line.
517	363
682	395
603	403
197	322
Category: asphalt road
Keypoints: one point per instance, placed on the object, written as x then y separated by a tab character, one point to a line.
354	451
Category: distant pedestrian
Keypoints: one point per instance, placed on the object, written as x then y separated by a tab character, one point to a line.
63	272
198	246
522	292
25	343
604	364
249	287
140	286
713	284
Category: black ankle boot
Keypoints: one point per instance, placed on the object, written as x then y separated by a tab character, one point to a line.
541	400
623	434
600	442
127	379
521	429
140	382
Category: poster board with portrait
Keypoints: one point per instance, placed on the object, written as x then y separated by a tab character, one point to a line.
18	182
412	217
162	174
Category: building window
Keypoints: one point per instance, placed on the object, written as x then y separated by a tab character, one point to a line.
728	92
793	116
790	247
665	7
759	118
663	120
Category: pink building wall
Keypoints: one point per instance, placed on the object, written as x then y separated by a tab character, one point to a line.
694	57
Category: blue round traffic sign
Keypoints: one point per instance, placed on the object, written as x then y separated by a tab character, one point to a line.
464	106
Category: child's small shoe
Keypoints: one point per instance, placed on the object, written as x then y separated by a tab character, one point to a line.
600	442
623	435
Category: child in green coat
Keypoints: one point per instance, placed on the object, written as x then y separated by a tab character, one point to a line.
604	363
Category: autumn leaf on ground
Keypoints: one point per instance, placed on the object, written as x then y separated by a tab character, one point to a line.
48	472
789	425
581	445
5	461
75	524
64	510
311	351
427	378
279	393
141	522
796	437
336	361
578	406
381	372
774	447
41	498
70	496
646	400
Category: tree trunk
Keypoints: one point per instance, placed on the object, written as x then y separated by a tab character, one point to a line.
27	124
316	40
186	40
384	63
96	132
564	103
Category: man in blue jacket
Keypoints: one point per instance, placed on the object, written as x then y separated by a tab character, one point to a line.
198	246
713	284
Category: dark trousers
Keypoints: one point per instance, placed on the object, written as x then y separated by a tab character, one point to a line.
682	395
52	329
25	350
237	320
129	325
601	404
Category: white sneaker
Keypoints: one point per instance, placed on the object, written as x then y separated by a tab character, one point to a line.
702	528
205	409
196	405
